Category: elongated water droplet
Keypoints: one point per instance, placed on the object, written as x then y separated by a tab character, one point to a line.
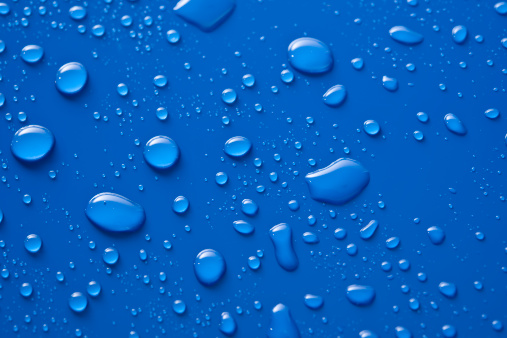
454	124
282	325
405	35
237	146
309	55
369	229
115	213
339	182
71	78
77	12
492	113
335	96
161	152
459	34
281	236
243	227
227	324
360	295
209	267
32	143
32	53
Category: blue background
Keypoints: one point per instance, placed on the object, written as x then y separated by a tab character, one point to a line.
412	178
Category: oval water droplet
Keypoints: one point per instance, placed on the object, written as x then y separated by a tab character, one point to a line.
405	35
313	302
448	289
459	34
32	53
357	63
32	143
454	124
71	78
78	302
243	227
161	152
492	113
209	267
179	307
77	12
115	213
237	146
227	324
281	236
360	295
501	8
203	14
339	182
369	229
282	324
93	289
310	238
309	55
335	96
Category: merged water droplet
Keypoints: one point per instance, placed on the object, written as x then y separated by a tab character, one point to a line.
203	14
110	256
405	35
243	227
309	55
32	143
180	204
335	96
360	295
71	78
32	53
33	243
161	152
339	182
282	324
459	34
115	213
78	302
369	229
454	124
281	236
237	146
209	267
227	324
314	302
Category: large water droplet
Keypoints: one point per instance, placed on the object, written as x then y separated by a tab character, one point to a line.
335	96
206	15
367	334
32	143
78	302
243	227
406	36
282	325
501	8
402	332
115	213
281	235
161	152
369	229
33	243
454	124
492	113
339	182
71	78
227	324
360	295
32	53
209	267
237	146
459	34
309	55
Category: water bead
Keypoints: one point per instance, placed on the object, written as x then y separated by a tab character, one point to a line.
32	143
32	53
368	230
335	96
243	227
173	36
160	81
449	331
282	324
436	235
249	207
205	15
313	302
237	146
254	262
405	35
221	178
492	113
287	76
367	334
448	289
459	34
179	307
339	182
357	63
33	243
98	30
360	295
402	332
77	12
110	256
71	78
227	324
454	124
229	96
389	83
352	249
161	113
340	233
4	8
126	20
371	127
423	117
248	80
115	213
27	199
309	55
122	89
93	289
78	302
26	290
161	152
501	8
281	236
418	135
180	204
310	238
392	243
209	267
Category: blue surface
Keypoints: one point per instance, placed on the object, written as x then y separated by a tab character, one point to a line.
453	182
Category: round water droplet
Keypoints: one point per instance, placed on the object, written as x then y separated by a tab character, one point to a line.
110	256
389	83
436	235
402	332
501	8
78	302
405	36
180	204
287	76
248	80
454	124
122	89
449	331
227	324
160	81
173	36
161	152
371	127
340	233
71	78
360	295
237	146
221	178
492	113
115	213
161	113
26	290
77	12
249	207
459	34
179	307
310	56
33	243
335	96
243	227
32	143
423	117
4	8
418	135
32	53
254	262
357	63
229	96
313	302
209	267
93	289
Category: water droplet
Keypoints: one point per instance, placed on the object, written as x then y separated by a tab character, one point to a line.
160	81
282	324
287	76
229	96
122	89
243	227
501	8
389	83
368	333
492	113
405	35
71	78
436	235
221	178
248	80
27	199
203	14
449	331
179	307
310	56
161	152
110	256
371	127
340	233
281	236
392	243
173	36
4	8
254	262
237	146
313	302
249	207
339	182
32	53
418	135
357	63
77	12
335	96
180	204
369	229
402	332
78	302
32	143
115	213
33	243
26	290
360	295
93	289
459	34
209	267
227	324
448	289
454	124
